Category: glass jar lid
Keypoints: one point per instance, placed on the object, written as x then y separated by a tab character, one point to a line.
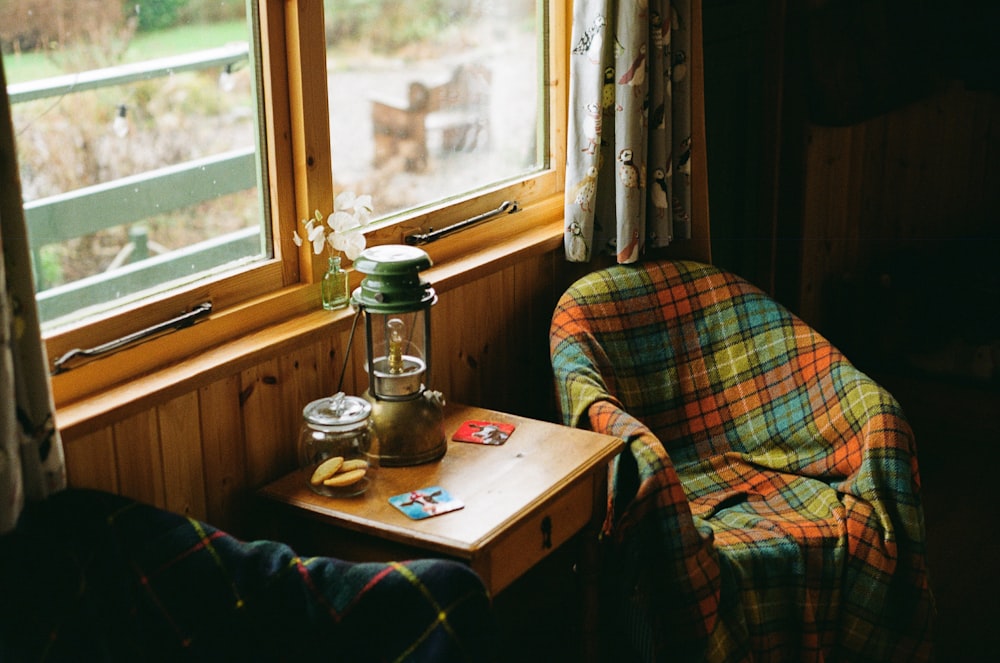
337	412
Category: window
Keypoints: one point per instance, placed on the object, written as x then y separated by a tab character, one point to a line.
137	138
430	99
207	130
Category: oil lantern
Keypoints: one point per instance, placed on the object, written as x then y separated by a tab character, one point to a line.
396	302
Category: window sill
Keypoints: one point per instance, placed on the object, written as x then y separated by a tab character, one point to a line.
89	398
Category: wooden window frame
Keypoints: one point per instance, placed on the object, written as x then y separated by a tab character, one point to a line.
274	306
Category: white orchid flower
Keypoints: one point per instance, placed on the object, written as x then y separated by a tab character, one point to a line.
351	243
344	201
342	221
363	206
351	212
316	235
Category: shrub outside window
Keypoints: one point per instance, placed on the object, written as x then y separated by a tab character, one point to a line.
137	133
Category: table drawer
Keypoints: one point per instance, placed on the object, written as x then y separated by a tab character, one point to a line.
530	541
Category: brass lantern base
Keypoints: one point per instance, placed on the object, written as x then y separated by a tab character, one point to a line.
410	432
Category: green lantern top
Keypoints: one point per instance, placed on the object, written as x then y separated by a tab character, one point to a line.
393	283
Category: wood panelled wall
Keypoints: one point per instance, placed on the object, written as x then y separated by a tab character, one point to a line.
800	207
204	453
922	178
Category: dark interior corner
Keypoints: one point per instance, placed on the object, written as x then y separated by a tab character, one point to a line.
854	173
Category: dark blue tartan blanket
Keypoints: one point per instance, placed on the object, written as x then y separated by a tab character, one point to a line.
89	576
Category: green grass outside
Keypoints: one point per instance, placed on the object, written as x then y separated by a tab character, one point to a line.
146	46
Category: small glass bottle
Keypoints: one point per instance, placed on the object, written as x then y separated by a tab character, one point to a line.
337	446
334	286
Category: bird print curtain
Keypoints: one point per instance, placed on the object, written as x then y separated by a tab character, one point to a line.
31	456
629	141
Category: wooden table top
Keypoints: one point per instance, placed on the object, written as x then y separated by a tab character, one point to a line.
500	485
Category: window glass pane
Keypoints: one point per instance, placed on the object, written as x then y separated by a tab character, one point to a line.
137	133
430	99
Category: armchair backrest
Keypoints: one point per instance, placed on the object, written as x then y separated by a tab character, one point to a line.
709	362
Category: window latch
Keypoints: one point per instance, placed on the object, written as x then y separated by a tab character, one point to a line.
506	207
179	322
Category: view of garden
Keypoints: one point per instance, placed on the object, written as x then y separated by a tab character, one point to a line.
83	139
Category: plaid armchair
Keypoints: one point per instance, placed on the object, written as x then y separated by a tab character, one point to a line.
767	506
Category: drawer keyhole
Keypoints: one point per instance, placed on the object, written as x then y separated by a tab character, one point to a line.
546	532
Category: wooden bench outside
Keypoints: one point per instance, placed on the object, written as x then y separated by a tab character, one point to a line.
455	111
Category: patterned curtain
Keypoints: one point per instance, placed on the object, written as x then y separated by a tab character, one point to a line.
31	455
629	145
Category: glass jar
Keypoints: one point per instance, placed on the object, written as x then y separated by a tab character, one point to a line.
337	446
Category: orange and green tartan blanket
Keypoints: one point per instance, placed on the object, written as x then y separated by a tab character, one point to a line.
768	504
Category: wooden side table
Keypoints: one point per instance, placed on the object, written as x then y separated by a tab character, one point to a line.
523	499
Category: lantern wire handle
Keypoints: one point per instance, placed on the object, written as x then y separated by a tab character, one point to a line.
347	354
